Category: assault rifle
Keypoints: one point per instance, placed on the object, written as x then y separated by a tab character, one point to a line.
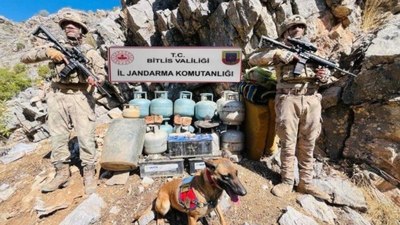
76	59
305	52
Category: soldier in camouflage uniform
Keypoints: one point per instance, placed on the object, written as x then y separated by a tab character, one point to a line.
298	110
71	104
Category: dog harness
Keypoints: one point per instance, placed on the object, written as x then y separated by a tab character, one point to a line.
187	197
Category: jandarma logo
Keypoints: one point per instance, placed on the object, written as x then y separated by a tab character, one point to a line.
122	57
230	57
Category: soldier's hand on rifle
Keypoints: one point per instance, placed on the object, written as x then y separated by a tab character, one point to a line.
93	81
321	74
55	55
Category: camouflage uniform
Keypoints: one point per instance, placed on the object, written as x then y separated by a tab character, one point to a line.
70	101
298	110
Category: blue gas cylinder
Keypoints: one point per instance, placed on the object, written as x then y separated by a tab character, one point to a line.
140	99
206	108
184	105
161	105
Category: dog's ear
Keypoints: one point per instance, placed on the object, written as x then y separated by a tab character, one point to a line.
210	164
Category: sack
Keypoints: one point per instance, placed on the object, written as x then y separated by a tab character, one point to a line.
261	76
256	94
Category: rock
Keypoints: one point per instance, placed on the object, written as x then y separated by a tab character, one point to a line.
88	212
343	192
6	191
317	209
350	217
294	217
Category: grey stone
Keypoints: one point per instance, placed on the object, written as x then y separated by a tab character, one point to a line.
294	217
317	209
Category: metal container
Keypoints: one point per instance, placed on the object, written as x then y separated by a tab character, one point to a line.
206	108
164	167
140	99
232	140
123	144
161	105
155	140
189	145
131	111
167	127
230	109
184	105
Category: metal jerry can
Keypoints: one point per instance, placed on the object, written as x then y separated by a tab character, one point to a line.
184	105
161	105
230	109
140	99
206	108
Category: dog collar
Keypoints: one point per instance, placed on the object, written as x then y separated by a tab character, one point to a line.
187	197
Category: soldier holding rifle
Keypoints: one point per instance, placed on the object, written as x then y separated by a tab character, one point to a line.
70	101
297	105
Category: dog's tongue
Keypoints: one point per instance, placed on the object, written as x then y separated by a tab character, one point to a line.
234	198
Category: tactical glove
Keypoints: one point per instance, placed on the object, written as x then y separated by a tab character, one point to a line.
54	55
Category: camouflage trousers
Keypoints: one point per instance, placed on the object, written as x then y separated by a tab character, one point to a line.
298	125
67	110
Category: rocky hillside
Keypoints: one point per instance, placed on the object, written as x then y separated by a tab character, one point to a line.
361	128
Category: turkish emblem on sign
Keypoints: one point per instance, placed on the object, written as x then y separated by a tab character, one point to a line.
122	57
230	57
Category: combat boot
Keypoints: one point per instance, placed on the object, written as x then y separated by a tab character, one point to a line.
314	191
282	189
60	180
89	172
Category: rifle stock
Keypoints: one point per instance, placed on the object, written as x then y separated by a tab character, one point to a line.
75	57
304	51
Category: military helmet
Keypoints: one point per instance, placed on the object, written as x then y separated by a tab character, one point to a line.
291	21
74	18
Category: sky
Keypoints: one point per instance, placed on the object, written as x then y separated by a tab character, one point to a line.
21	10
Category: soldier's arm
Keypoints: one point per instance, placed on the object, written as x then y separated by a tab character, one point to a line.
37	54
267	57
97	64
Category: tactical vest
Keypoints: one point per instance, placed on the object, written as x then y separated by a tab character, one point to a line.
287	79
74	77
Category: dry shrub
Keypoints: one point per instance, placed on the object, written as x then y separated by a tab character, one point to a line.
376	13
381	210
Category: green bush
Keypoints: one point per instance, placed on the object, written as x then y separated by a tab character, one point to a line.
13	81
19	68
4	132
43	71
20	46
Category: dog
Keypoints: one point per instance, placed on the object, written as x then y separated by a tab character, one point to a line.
197	196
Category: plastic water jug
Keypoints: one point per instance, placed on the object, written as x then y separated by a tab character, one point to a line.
184	105
140	99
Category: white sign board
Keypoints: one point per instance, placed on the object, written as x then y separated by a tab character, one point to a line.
173	64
